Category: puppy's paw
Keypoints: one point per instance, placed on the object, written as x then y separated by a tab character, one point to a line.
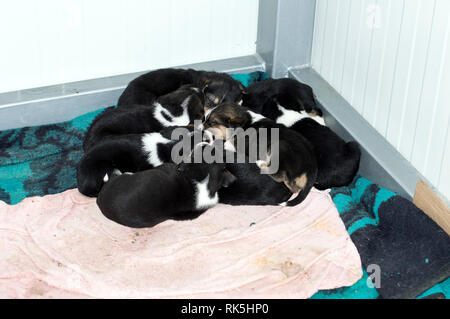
228	145
263	166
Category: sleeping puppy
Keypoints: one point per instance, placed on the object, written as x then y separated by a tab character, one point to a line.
337	160
145	89
297	162
290	94
275	110
126	153
179	108
170	191
252	188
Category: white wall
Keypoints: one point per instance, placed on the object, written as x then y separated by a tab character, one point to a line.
46	42
391	60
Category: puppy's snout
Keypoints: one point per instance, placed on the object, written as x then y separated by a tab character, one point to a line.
228	178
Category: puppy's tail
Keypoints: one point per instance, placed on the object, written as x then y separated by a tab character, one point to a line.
304	183
104	161
92	174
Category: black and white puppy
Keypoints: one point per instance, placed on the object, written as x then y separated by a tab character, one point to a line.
126	153
280	113
170	191
145	89
297	162
179	108
289	94
252	188
337	160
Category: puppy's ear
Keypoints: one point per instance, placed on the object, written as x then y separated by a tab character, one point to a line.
239	118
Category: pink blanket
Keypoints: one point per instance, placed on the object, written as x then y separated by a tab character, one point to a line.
61	246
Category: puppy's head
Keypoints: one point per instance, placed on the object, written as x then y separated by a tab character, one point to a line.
226	115
187	96
221	88
217	173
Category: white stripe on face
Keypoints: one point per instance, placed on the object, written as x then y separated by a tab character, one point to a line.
208	112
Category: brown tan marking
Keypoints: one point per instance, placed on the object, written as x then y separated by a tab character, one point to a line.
301	181
279	177
297	184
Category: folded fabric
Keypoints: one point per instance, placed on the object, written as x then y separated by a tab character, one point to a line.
61	246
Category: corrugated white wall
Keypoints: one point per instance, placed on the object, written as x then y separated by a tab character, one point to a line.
46	42
391	60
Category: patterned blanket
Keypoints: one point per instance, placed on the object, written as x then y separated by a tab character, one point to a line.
405	254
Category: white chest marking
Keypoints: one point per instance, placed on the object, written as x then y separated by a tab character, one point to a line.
290	117
150	143
181	120
202	198
319	120
256	117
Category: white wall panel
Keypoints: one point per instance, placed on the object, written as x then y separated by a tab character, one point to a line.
391	60
46	42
